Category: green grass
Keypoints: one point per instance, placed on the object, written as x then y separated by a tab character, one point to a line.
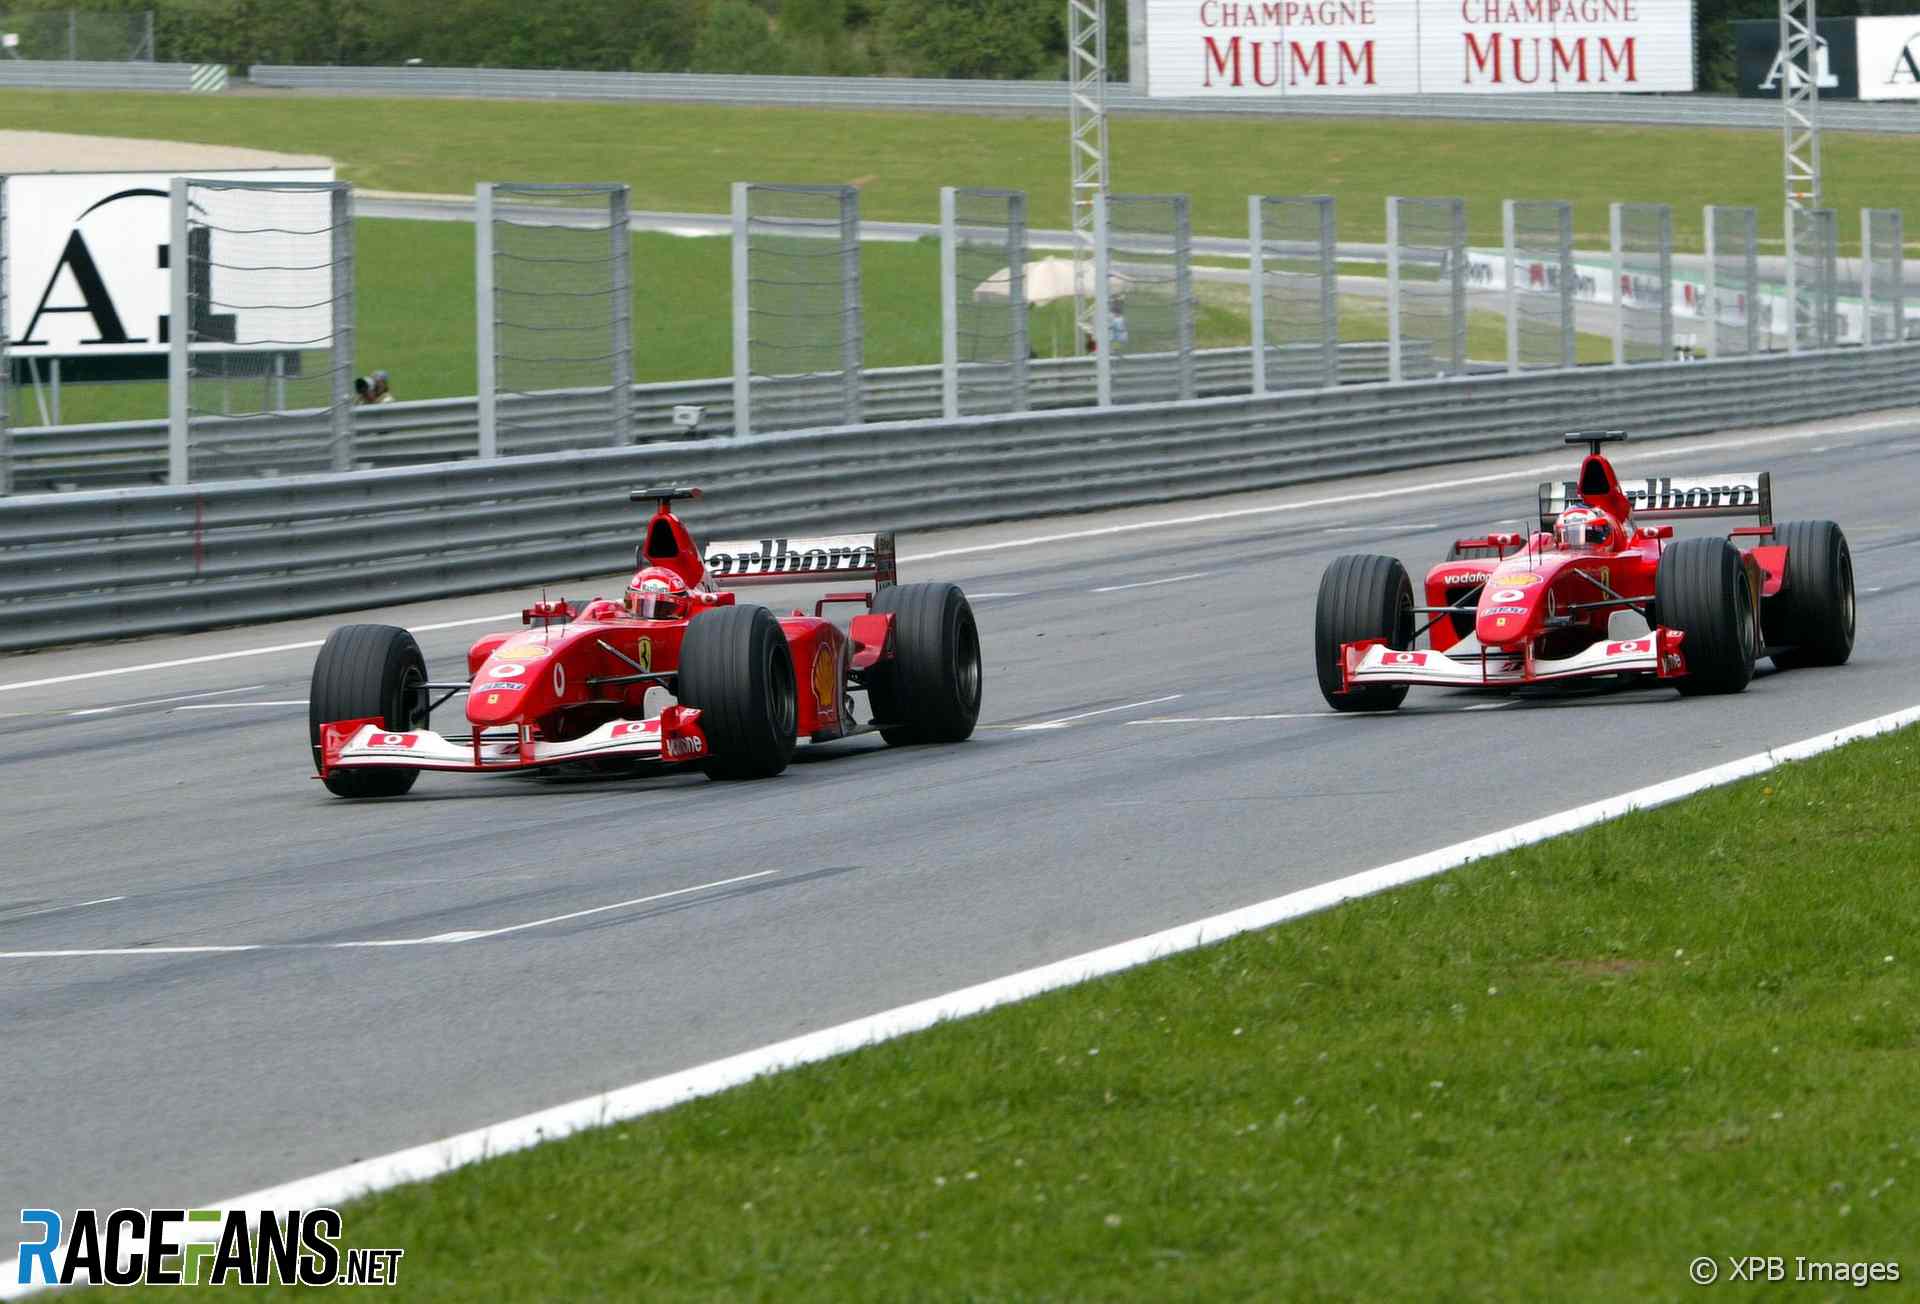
682	157
1561	1073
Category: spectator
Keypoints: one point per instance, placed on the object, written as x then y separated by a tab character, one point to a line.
380	392
362	390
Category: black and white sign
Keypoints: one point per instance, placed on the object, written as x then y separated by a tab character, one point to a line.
1757	46
1889	58
89	261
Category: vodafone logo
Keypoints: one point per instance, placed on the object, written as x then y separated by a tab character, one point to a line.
1404	659
1638	646
628	728
683	746
392	740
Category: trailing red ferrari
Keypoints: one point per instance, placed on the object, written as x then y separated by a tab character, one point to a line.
672	673
1596	591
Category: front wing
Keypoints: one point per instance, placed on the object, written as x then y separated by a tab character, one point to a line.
672	737
1373	662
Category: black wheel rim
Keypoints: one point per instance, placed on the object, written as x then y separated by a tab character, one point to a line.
782	708
1846	590
967	663
411	706
1749	642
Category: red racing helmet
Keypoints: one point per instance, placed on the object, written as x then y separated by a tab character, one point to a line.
657	593
1585	529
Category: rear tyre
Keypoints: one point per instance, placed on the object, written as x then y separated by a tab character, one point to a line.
737	671
930	692
1811	620
1702	590
362	671
1362	596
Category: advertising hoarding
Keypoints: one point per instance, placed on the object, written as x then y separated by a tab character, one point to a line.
1889	57
1267	48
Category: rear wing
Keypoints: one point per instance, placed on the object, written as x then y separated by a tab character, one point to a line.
1664	498
786	561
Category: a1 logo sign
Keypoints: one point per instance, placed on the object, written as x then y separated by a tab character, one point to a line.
393	740
1404	659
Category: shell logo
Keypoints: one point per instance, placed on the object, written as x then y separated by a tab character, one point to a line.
826	684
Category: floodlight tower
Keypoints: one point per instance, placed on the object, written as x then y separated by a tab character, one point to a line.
1087	147
1800	132
1799	102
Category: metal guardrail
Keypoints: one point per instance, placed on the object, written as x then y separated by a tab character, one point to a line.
61	75
124	453
75	567
929	93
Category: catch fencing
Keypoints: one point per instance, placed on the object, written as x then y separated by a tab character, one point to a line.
1813	278
1149	310
6	368
75	567
554	308
796	302
984	344
1732	303
1539	245
1293	289
1642	237
74	35
1427	284
1883	275
263	326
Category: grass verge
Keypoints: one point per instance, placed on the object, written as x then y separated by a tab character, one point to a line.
1560	1073
683	156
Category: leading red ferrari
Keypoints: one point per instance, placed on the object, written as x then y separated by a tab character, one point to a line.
1598	591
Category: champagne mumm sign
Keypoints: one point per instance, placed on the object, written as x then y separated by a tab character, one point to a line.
1264	48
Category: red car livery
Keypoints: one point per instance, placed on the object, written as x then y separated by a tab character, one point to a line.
675	672
1597	590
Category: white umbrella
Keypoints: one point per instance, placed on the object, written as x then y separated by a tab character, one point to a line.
1047	280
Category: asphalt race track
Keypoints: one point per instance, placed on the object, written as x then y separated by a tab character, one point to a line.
560	938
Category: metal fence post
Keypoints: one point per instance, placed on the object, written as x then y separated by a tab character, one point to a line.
1866	278
950	309
1457	262
1897	266
1329	294
853	338
1257	301
1020	345
6	372
1183	289
486	344
179	332
341	417
1619	289
1513	287
1569	337
1793	284
1710	300
619	205
742	334
1102	319
1395	372
1666	282
1753	280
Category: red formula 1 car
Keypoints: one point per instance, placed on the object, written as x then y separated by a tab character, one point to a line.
675	673
1596	591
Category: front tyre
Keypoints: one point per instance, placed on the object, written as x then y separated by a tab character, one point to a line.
1702	590
1362	596
363	671
737	671
930	692
1810	622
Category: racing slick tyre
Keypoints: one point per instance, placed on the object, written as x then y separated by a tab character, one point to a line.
1810	621
1362	595
737	671
1702	590
362	671
930	692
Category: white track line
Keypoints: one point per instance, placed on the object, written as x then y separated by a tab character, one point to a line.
162	701
237	706
438	939
1034	541
1147	584
421	1162
229	656
1236	719
54	910
1066	720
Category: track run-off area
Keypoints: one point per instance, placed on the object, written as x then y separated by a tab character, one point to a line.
216	978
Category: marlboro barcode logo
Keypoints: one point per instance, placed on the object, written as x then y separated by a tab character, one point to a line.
1732	493
837	554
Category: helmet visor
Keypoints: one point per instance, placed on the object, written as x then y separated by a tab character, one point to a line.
650	605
